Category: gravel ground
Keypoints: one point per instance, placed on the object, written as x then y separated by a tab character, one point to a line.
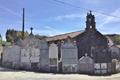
8	74
23	75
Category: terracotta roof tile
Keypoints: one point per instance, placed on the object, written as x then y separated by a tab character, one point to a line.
64	36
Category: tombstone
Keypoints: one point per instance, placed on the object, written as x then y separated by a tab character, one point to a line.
115	66
1	50
53	57
86	65
35	58
69	57
115	52
118	66
101	68
25	58
109	68
30	53
35	54
11	57
44	56
30	41
97	68
34	42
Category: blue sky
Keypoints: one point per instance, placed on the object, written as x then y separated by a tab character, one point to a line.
48	17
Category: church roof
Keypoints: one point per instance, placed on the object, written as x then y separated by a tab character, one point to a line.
72	35
64	36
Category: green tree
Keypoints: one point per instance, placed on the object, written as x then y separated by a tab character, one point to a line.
12	35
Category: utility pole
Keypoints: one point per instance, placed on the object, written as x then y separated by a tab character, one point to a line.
23	23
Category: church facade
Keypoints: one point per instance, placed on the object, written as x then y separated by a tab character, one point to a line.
93	42
95	45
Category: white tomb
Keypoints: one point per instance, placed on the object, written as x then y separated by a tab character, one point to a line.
25	58
1	50
53	51
69	57
30	53
86	64
35	55
53	57
44	56
11	56
25	55
30	41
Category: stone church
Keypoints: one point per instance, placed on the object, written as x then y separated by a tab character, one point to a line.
94	53
92	42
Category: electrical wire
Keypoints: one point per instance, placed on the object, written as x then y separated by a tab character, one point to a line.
71	5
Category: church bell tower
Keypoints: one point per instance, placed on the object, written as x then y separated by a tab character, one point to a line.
90	21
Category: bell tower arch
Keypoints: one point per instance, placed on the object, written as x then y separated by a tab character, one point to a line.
90	21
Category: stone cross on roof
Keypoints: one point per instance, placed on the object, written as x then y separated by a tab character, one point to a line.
90	12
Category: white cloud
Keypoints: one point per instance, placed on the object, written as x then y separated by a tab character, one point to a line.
47	30
10	11
109	19
94	2
69	16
